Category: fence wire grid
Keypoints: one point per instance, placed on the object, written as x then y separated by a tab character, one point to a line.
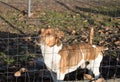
18	32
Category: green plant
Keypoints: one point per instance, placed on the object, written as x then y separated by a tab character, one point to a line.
91	21
9	60
6	58
26	57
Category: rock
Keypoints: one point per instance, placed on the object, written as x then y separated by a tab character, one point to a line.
99	80
17	74
88	77
22	70
117	42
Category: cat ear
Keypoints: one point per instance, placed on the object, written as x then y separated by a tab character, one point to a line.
41	31
59	33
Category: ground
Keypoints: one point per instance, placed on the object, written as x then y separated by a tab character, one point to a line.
18	31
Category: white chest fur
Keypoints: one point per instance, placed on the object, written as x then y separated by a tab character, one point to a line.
51	56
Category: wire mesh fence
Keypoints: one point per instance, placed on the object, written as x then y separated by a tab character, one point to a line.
18	33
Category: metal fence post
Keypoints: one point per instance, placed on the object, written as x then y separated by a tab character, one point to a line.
29	8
